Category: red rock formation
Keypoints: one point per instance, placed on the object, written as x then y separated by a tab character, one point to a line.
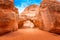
28	24
31	13
51	4
8	5
53	7
12	0
8	16
46	17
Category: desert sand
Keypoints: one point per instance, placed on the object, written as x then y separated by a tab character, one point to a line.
30	34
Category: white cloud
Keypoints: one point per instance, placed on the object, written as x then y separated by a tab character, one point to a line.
24	4
58	0
22	7
20	10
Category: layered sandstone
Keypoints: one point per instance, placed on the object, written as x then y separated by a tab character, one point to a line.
50	11
8	16
31	13
53	5
28	24
8	4
45	17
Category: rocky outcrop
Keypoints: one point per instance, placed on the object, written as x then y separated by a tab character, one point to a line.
53	5
45	17
31	13
8	16
8	4
51	16
48	19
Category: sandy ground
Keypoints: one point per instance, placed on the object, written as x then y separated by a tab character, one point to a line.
29	34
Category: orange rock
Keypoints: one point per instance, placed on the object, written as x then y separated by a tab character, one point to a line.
8	21
8	4
52	7
8	17
45	17
28	24
31	13
48	19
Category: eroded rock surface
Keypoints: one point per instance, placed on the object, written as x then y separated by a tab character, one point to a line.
51	10
28	24
45	17
8	16
31	13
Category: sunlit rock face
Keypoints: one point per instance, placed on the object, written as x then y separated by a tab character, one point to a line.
22	18
28	24
8	17
31	13
51	4
12	0
51	16
48	19
7	0
8	4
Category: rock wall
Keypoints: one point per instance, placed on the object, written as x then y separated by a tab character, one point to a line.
8	16
48	19
52	6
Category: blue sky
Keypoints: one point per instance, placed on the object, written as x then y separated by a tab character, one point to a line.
22	4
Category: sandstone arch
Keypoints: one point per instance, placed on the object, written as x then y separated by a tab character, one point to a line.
37	22
32	13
